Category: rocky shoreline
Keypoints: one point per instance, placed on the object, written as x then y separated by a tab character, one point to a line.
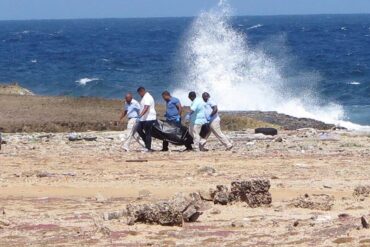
29	113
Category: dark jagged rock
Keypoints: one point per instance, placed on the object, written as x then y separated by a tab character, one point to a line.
365	224
254	192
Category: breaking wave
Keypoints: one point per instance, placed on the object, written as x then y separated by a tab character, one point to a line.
218	60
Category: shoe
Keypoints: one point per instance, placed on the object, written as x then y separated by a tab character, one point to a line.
164	150
229	148
145	150
126	149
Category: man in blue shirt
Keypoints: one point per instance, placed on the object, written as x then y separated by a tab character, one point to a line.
198	118
173	113
131	110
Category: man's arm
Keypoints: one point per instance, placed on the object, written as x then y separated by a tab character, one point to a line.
179	108
214	110
123	115
145	110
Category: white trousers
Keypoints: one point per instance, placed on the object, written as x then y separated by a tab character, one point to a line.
194	130
131	132
215	126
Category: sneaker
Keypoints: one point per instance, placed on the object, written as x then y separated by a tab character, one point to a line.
164	150
145	150
229	148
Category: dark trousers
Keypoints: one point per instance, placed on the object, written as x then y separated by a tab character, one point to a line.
144	130
166	143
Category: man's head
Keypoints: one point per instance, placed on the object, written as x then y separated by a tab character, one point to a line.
206	96
141	91
128	98
166	96
192	96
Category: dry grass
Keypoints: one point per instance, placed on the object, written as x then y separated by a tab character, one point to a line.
235	123
63	114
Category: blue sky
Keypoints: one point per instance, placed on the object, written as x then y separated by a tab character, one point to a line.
61	9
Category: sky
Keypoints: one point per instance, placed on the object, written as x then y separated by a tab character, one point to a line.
76	9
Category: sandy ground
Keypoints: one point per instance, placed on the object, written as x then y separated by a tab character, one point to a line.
54	192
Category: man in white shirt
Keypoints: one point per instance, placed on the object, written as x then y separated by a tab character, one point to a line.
147	116
131	110
215	122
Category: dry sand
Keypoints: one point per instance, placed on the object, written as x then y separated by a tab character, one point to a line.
54	192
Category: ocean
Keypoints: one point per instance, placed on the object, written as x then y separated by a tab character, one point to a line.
307	66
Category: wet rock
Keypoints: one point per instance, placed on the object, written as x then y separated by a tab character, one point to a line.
362	191
364	222
317	202
181	208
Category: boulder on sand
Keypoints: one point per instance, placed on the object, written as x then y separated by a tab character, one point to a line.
318	202
254	192
173	212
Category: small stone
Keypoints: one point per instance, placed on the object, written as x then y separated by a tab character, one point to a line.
207	195
100	198
278	139
4	223
364	222
237	224
296	223
206	170
114	215
215	211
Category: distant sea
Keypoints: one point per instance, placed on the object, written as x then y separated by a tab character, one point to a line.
330	54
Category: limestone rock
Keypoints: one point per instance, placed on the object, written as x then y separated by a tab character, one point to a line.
181	208
317	202
362	191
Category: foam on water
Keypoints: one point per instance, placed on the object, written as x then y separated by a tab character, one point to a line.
255	26
218	60
84	81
